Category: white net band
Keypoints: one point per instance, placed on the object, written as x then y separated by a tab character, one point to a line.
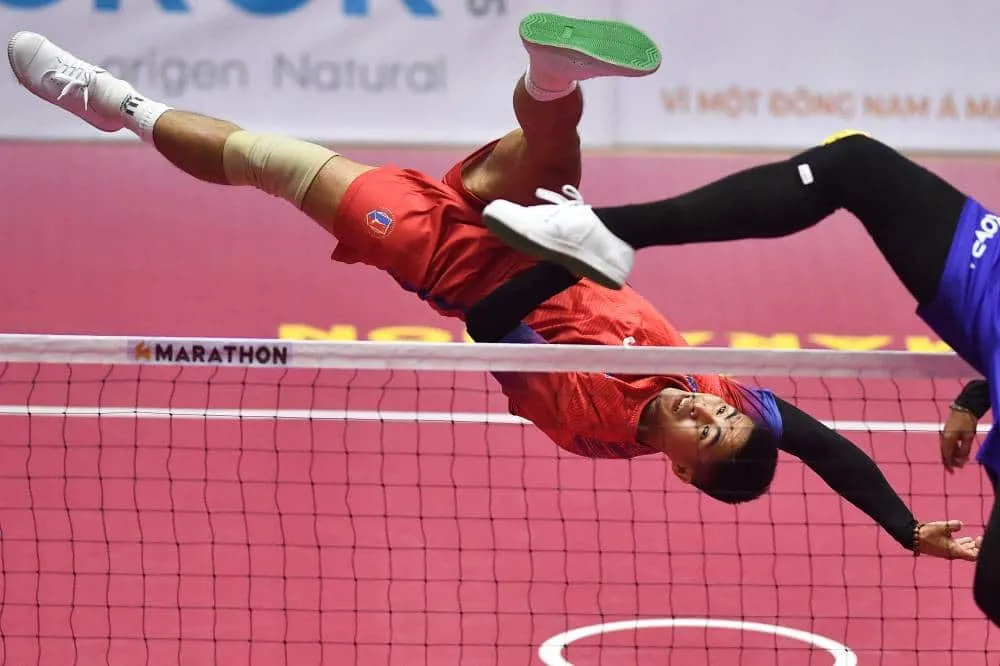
246	352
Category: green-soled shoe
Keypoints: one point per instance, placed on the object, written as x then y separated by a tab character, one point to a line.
597	48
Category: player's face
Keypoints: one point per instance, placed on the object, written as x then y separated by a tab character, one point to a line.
697	429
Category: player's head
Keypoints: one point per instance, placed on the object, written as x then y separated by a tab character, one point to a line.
712	445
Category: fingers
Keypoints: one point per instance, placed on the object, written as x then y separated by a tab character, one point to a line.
967	554
955	450
956	438
948	441
963	449
965	548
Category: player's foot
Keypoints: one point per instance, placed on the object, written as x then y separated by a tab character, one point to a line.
566	231
58	77
580	49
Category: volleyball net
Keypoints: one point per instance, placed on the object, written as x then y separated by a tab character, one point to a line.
168	501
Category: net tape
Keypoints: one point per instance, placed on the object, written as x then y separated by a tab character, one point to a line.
252	352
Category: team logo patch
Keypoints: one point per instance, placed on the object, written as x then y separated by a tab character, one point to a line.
379	223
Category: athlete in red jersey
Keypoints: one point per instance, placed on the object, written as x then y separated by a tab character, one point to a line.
441	251
720	435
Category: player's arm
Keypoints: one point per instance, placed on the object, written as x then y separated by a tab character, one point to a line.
846	469
856	478
975	397
960	429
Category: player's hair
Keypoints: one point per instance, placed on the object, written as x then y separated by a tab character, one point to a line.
748	474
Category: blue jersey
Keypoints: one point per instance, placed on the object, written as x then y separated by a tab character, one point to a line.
966	311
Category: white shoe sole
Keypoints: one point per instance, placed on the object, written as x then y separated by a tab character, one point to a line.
577	260
13	67
10	57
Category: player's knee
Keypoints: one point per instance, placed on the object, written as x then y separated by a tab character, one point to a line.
846	165
843	134
555	175
549	168
517	167
277	165
845	151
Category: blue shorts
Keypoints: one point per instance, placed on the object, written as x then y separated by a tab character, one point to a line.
966	311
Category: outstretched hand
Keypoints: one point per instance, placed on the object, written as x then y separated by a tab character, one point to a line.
937	540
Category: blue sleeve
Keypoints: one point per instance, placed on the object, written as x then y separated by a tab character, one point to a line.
525	335
762	407
511	382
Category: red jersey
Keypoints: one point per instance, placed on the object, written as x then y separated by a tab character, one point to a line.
429	236
596	414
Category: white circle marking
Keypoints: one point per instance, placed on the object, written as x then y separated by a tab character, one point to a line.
551	650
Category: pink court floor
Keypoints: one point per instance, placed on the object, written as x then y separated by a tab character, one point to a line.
353	538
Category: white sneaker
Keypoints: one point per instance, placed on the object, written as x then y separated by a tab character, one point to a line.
567	232
60	78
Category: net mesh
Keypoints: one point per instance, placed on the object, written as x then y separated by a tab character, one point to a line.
304	511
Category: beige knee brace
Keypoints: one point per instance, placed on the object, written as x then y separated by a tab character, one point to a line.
278	165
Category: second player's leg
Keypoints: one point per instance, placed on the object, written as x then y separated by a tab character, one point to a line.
986	585
543	152
545	149
909	212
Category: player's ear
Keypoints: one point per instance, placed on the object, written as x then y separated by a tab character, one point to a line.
683	472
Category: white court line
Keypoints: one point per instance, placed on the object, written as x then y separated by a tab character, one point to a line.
388	416
261	414
551	651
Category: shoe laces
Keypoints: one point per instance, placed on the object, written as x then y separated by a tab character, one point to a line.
75	76
570	196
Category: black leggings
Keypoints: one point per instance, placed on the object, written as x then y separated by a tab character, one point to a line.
910	213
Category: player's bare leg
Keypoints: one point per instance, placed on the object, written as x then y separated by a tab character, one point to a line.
545	150
309	176
216	151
